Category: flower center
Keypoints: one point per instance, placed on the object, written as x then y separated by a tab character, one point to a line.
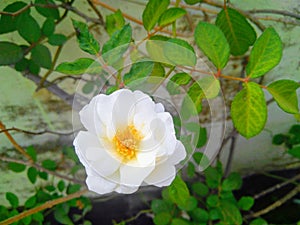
127	142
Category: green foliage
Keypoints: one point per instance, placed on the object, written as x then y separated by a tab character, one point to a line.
265	55
245	203
9	23
48	12
48	27
249	110
12	199
179	52
154	9
212	42
115	47
114	22
49	164
28	28
16	167
86	40
10	53
238	32
284	93
41	55
170	16
80	66
176	81
57	39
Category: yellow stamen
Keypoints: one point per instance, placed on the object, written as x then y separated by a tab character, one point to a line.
127	142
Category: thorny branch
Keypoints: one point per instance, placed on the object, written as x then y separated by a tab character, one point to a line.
46	205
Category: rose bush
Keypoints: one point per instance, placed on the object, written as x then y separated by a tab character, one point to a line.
130	141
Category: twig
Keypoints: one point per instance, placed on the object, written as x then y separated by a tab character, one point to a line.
79	13
276	204
40	168
47	74
96	11
275	11
37	132
14	143
131	18
230	157
136	216
46	205
276	187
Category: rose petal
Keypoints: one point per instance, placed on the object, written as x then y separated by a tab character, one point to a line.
159	108
178	155
123	189
162	175
134	176
100	185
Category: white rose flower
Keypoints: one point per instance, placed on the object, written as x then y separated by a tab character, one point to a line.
129	141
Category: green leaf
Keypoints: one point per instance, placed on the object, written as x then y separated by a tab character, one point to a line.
192	2
212	200
86	40
30	202
48	12
61	185
115	47
284	93
72	188
213	177
155	48
180	221
22	65
230	213
176	81
49	164
232	182
10	53
259	221
189	204
80	66
32	174
212	42
32	152
154	9
170	16
245	203
43	175
249	110
159	205
7	22
61	216
41	55
279	139
196	95
33	67
88	87
27	220
199	215
39	217
114	22
162	218
16	167
48	27
178	192
13	199
28	28
191	170
295	152
265	54
210	87
138	71
57	39
238	32
200	189
179	52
